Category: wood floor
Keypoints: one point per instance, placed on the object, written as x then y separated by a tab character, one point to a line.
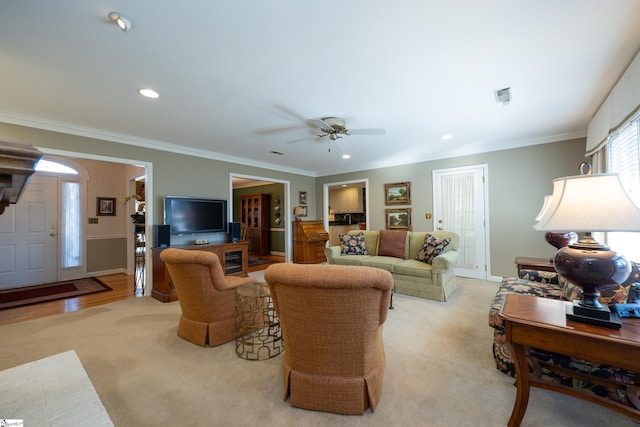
121	284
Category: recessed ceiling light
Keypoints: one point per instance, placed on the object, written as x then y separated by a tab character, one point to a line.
346	156
446	137
149	93
120	21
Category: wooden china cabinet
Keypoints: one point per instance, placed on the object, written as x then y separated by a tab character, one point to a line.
255	215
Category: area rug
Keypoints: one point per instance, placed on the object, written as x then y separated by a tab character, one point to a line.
17	297
53	391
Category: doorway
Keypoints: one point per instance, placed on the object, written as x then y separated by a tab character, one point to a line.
240	181
460	204
362	185
78	269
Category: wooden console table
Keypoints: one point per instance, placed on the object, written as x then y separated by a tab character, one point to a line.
234	258
541	323
529	263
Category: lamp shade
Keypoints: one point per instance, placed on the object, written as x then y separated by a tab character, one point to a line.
298	210
589	203
545	205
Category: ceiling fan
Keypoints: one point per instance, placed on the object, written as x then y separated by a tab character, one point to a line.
335	127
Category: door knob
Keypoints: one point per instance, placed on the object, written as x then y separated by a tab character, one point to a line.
53	234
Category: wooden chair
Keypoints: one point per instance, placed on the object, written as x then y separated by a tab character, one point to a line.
206	295
331	318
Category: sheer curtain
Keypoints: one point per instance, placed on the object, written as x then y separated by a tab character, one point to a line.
458	207
71	224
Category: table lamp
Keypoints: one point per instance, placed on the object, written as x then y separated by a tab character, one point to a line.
298	211
586	204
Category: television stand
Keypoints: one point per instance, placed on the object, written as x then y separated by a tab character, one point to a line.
234	258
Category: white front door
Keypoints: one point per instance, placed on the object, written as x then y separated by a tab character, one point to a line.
29	236
459	204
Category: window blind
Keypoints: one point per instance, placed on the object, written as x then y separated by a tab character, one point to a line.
623	157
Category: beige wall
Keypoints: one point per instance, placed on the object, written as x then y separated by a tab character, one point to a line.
518	180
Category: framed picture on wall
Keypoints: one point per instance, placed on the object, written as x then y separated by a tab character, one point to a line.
398	193
398	219
140	189
303	197
106	206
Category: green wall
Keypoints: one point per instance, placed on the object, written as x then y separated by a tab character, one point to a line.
518	181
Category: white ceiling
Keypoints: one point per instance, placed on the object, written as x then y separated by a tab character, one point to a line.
238	80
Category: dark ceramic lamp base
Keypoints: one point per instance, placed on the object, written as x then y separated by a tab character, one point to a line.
589	265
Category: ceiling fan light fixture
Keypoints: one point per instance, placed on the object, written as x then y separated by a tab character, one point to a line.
123	23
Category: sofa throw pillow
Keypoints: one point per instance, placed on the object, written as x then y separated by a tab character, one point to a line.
431	248
352	244
392	243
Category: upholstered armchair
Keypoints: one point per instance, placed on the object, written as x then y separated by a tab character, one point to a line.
206	295
331	318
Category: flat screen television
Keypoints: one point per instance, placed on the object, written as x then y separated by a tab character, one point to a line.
188	215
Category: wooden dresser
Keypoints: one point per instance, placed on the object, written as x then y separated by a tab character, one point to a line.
309	241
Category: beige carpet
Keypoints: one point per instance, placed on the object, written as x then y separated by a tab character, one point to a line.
439	371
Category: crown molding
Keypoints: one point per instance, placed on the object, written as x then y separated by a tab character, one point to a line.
60	127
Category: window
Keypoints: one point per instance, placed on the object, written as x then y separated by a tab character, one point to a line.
71	224
45	165
623	157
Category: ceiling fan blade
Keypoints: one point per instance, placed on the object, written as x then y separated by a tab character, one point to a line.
367	131
320	123
300	139
291	113
281	129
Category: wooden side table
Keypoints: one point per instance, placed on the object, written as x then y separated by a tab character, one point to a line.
541	323
529	263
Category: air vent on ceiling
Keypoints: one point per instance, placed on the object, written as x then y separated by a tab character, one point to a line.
503	96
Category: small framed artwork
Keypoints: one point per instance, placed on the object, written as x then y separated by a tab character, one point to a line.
398	193
305	210
398	219
140	189
106	206
303	197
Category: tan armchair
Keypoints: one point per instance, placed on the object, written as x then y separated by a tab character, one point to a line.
331	318
206	295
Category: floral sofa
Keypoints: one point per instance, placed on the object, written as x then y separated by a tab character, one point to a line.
421	263
557	368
